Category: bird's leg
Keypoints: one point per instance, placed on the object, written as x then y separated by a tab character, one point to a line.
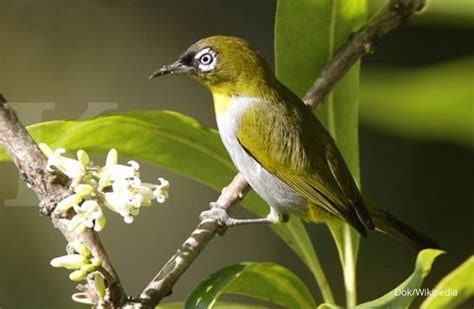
219	214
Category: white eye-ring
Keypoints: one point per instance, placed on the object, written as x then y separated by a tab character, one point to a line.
206	59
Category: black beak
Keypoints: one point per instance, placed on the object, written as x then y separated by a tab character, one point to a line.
176	67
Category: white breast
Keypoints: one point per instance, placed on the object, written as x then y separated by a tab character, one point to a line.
276	193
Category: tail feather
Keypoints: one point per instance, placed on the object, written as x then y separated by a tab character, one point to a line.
386	223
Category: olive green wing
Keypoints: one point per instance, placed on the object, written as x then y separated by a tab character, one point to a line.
296	148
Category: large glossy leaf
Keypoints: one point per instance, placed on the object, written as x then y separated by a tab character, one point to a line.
393	299
172	141
264	281
454	289
217	305
308	33
433	102
398	297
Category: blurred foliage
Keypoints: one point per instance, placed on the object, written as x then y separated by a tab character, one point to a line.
460	280
434	102
264	281
459	13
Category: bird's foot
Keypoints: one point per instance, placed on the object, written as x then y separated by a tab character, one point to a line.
220	215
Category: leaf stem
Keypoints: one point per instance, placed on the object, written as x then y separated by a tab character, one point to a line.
350	257
318	273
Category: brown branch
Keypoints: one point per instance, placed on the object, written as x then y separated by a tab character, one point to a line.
50	190
390	16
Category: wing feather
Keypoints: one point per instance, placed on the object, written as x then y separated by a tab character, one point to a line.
296	148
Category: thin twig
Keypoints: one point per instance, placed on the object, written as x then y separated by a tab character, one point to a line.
390	16
50	190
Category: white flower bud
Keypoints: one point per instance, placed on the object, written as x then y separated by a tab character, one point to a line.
89	206
83	189
71	261
83	157
80	248
104	181
68	202
77	275
48	152
112	157
88	268
96	262
100	223
76	224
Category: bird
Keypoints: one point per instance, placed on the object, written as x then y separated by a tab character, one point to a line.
276	142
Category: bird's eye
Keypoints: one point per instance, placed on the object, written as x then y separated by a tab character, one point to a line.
206	59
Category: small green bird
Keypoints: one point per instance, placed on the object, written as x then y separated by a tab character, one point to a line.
277	143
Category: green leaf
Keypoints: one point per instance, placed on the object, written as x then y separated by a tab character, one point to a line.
170	140
264	281
460	281
433	102
329	306
392	299
308	33
217	305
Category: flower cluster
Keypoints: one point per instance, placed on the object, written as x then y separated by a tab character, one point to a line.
84	266
117	186
80	260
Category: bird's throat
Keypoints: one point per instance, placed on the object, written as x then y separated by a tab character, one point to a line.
221	102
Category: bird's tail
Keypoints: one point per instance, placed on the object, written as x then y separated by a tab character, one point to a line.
386	223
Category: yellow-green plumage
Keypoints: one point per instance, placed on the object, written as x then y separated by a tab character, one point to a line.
284	137
277	143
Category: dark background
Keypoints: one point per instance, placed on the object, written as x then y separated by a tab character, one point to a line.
74	52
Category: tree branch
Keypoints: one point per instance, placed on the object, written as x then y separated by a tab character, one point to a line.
50	190
389	17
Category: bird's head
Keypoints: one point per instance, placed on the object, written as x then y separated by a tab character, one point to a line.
223	64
